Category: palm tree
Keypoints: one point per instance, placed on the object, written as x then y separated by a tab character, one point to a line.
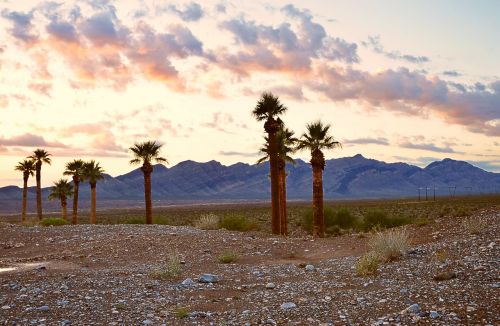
268	108
75	170
61	190
146	152
286	143
92	172
315	140
27	167
40	156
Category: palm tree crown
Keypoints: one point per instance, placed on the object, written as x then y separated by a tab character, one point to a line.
74	168
27	167
61	189
92	172
317	138
41	156
146	152
268	107
286	146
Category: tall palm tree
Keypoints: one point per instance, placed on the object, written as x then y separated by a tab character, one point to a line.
315	140
61	190
40	156
75	170
27	167
268	109
145	153
92	172
286	147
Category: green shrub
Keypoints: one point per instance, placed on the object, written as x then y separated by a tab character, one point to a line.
236	222
53	221
162	220
228	257
461	211
380	219
367	264
330	219
344	219
421	221
181	313
135	220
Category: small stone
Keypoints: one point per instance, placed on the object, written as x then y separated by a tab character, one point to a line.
43	308
288	306
208	278
147	322
65	322
187	282
245	312
271	322
270	285
309	268
433	314
5	307
414	308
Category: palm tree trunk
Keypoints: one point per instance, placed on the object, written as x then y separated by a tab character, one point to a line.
318	228
93	218
25	198
147	197
284	217
64	205
39	190
273	163
76	182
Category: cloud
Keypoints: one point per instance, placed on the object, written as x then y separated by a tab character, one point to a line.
220	8
427	147
190	12
22	28
492	166
363	141
4	101
29	140
373	43
452	73
236	153
62	30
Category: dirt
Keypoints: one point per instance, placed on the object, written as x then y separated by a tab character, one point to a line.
105	275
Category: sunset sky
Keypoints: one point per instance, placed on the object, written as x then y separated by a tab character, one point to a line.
399	81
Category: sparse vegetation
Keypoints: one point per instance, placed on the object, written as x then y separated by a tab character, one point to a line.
160	220
171	270
381	219
422	221
208	221
53	221
228	257
181	312
461	211
236	222
389	245
474	225
368	264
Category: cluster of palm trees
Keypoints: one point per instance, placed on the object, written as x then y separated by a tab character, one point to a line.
80	171
279	144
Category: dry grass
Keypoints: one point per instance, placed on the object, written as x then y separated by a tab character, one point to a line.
228	257
368	264
172	269
389	245
208	221
474	225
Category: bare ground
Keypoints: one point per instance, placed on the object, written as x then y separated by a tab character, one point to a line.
108	274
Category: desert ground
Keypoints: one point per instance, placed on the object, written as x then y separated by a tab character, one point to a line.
133	274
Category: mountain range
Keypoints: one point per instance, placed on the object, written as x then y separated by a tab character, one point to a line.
344	178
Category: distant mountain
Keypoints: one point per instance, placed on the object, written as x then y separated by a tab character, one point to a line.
344	178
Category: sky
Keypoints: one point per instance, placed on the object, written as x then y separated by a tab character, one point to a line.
399	81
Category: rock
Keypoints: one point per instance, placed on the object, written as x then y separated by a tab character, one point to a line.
271	322
270	285
309	268
66	322
444	276
43	308
288	306
5	307
414	308
208	278
433	314
187	282
147	322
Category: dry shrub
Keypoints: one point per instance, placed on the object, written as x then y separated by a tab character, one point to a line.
389	245
172	269
368	264
228	257
474	225
208	221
